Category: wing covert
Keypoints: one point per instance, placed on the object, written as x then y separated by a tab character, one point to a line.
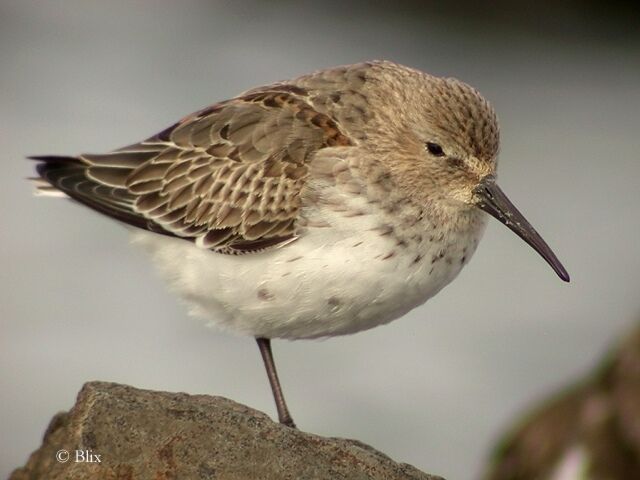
229	176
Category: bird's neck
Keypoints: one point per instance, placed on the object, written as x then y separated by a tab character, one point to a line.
435	224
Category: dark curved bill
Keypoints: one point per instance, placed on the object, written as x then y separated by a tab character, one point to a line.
492	200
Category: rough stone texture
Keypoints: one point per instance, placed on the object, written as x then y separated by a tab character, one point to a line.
141	434
590	432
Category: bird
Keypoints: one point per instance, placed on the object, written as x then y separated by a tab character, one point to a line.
308	208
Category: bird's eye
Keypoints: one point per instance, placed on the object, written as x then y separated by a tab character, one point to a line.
435	149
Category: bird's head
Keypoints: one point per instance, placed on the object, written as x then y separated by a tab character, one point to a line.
447	137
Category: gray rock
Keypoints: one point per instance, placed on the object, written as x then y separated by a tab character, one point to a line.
589	432
141	434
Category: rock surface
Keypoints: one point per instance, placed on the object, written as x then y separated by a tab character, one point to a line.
141	434
590	432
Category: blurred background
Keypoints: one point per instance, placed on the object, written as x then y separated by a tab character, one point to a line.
434	389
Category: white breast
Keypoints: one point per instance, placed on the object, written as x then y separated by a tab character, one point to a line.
331	281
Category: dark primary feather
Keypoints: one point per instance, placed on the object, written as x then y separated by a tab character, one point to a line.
68	174
228	177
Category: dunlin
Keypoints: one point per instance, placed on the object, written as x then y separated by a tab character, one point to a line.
320	206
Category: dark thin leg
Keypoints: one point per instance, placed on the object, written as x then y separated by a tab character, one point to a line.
283	412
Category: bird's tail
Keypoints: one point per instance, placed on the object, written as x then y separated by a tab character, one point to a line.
97	181
51	169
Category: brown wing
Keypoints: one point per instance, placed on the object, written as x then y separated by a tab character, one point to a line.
228	177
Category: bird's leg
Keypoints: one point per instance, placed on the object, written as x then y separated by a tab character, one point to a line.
283	412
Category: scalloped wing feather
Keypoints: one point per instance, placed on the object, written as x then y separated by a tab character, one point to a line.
228	177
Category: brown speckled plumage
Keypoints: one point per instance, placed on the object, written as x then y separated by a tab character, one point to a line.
232	175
